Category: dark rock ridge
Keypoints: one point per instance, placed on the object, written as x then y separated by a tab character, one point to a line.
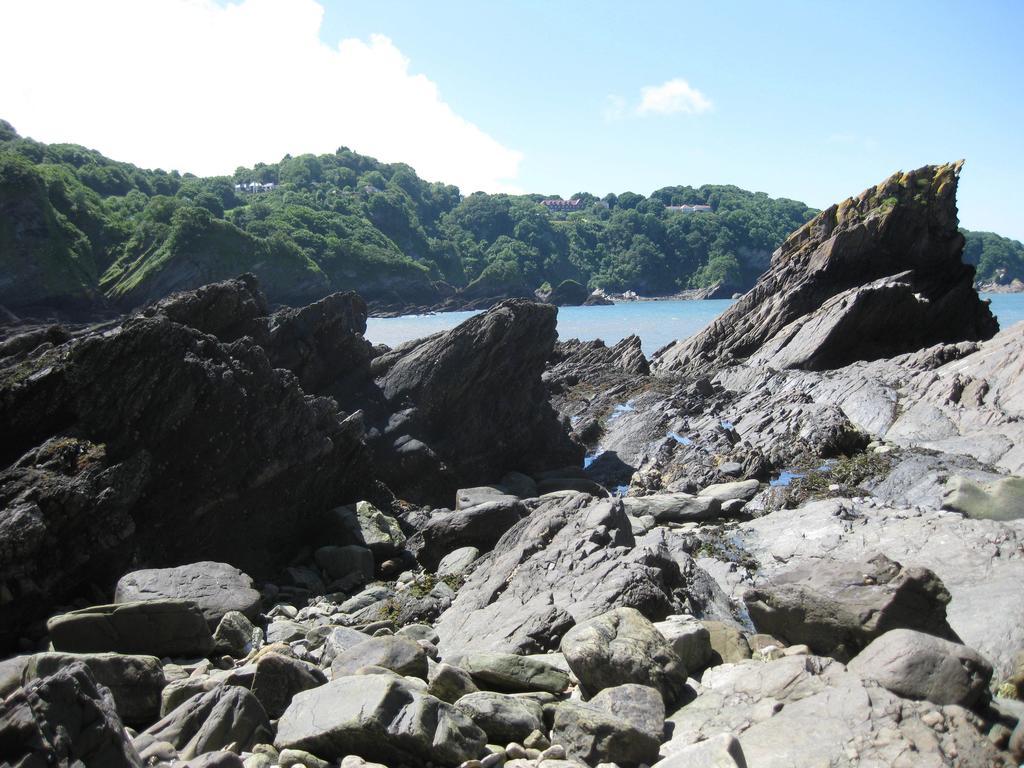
207	429
875	276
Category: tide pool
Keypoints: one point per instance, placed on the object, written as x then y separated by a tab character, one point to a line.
656	322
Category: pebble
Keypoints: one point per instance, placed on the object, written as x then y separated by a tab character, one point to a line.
493	760
536	740
554	752
515	751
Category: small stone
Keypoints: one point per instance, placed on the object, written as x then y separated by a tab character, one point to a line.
554	752
471	764
291	757
515	751
536	740
532	754
492	760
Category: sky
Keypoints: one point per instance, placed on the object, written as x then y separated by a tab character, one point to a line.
809	100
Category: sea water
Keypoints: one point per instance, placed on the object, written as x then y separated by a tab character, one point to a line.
656	322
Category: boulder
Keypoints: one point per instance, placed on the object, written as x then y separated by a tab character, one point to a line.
872	277
154	627
502	717
480	527
728	643
458	561
65	719
278	678
673	507
378	718
641	706
690	639
450	683
619	647
742	490
837	608
573	558
215	587
225	716
340	639
135	682
236	636
592	734
918	666
364	525
512	673
399	654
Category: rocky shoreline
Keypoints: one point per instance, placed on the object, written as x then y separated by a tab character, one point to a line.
231	536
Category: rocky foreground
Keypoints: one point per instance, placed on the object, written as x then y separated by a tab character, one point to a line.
231	536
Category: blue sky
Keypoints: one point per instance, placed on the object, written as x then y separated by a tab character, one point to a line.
813	101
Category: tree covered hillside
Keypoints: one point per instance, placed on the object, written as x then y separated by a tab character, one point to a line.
81	232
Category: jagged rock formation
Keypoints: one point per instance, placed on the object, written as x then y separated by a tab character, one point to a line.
872	277
470	403
160	439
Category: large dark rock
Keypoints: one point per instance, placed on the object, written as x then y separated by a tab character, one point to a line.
154	443
478	405
480	526
63	720
872	277
837	608
135	682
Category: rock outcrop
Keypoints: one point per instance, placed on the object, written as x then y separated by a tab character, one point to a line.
875	276
470	404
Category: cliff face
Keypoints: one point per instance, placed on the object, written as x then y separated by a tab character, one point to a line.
872	277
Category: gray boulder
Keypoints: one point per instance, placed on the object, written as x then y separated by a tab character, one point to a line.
135	682
837	608
227	715
235	635
690	639
378	718
215	587
155	627
502	717
480	526
512	673
620	647
340	639
919	666
457	562
573	558
593	733
673	507
449	683
399	654
66	719
742	490
278	678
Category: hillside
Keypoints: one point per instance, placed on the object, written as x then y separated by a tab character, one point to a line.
81	233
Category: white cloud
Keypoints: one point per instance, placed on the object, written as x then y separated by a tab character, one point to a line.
205	87
671	97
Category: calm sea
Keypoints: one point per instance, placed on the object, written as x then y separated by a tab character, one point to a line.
655	322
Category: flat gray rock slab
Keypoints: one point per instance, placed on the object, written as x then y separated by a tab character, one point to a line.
156	628
215	587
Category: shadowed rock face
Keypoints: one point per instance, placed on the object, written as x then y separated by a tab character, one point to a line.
473	396
875	276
